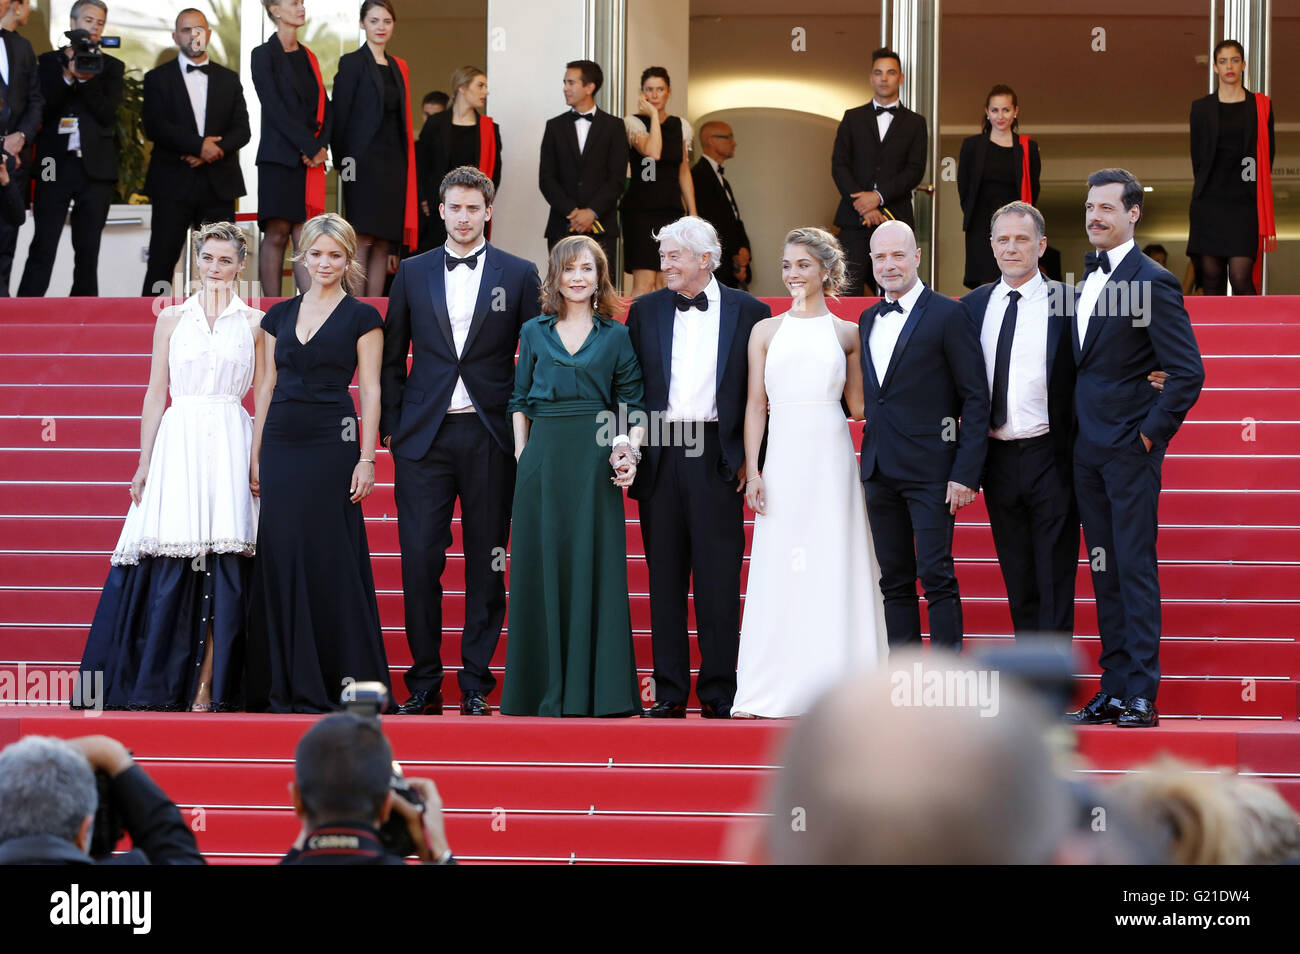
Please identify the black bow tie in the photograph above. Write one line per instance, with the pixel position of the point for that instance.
(190, 68)
(686, 304)
(575, 116)
(886, 109)
(470, 260)
(887, 306)
(1095, 260)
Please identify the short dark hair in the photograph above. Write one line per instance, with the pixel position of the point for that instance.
(176, 22)
(386, 4)
(658, 71)
(1155, 247)
(469, 178)
(885, 53)
(344, 768)
(1132, 194)
(1224, 43)
(591, 72)
(437, 97)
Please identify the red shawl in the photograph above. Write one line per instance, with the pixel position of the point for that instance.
(410, 223)
(1263, 189)
(316, 176)
(487, 147)
(1026, 186)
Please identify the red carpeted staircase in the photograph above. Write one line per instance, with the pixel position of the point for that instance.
(72, 377)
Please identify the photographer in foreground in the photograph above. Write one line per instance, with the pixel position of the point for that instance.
(351, 813)
(50, 805)
(82, 87)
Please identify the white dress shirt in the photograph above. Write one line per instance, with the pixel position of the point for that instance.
(4, 61)
(583, 128)
(1027, 373)
(196, 84)
(886, 329)
(462, 295)
(1092, 286)
(884, 120)
(693, 378)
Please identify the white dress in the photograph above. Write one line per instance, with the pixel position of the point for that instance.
(196, 497)
(813, 611)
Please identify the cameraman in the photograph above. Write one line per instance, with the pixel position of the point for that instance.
(78, 139)
(48, 801)
(343, 794)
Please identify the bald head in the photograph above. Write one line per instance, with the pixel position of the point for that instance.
(875, 774)
(894, 258)
(717, 141)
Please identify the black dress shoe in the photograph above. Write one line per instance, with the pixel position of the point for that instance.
(473, 703)
(715, 710)
(1101, 709)
(424, 702)
(666, 710)
(1138, 713)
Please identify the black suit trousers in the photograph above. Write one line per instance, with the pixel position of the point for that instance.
(464, 461)
(1119, 504)
(90, 199)
(172, 216)
(1036, 532)
(693, 524)
(912, 531)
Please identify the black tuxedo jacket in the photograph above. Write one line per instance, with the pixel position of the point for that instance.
(22, 95)
(359, 103)
(592, 179)
(1060, 366)
(650, 323)
(93, 102)
(169, 122)
(860, 161)
(935, 377)
(713, 205)
(414, 404)
(970, 172)
(1204, 122)
(1139, 323)
(288, 132)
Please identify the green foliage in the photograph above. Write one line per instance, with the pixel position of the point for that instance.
(133, 147)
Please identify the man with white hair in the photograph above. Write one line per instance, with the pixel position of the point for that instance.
(48, 801)
(692, 339)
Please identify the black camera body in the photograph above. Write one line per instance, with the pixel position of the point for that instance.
(108, 828)
(87, 55)
(394, 835)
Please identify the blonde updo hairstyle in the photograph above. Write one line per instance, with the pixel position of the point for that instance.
(268, 4)
(462, 78)
(222, 232)
(332, 225)
(826, 249)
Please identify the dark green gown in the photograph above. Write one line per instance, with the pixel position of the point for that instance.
(569, 644)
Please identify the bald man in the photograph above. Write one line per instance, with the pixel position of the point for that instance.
(716, 203)
(926, 433)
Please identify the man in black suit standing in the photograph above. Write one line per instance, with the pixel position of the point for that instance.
(194, 112)
(1023, 325)
(716, 203)
(461, 306)
(79, 141)
(879, 157)
(692, 340)
(922, 372)
(583, 163)
(1130, 317)
(20, 118)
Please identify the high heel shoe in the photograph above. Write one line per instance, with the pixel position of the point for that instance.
(199, 704)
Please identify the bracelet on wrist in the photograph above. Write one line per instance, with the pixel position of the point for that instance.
(755, 477)
(366, 460)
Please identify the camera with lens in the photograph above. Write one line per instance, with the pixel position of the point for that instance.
(369, 699)
(107, 829)
(87, 55)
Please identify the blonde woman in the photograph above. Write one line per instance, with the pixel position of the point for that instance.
(314, 620)
(461, 135)
(813, 609)
(570, 645)
(169, 630)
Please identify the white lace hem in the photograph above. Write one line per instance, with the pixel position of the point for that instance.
(151, 548)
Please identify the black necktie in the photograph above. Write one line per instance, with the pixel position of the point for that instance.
(1002, 361)
(470, 260)
(887, 306)
(686, 304)
(886, 109)
(731, 197)
(190, 68)
(575, 115)
(1095, 260)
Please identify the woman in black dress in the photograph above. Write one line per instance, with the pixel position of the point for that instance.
(291, 153)
(313, 618)
(460, 135)
(373, 148)
(1232, 199)
(991, 173)
(656, 141)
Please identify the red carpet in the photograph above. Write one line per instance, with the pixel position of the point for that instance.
(72, 377)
